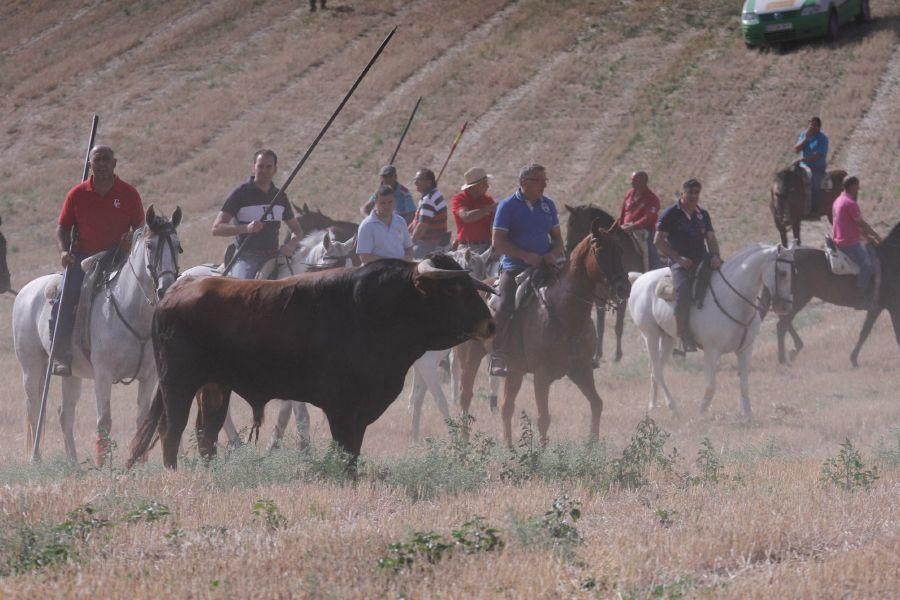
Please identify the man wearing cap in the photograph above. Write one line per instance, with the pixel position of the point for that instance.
(105, 210)
(848, 231)
(473, 211)
(383, 233)
(526, 232)
(685, 236)
(429, 227)
(403, 200)
(640, 209)
(242, 216)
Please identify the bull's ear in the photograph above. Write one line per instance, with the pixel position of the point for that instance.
(151, 215)
(569, 208)
(176, 217)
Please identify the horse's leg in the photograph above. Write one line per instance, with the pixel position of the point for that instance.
(508, 403)
(710, 366)
(795, 227)
(301, 416)
(102, 393)
(600, 314)
(32, 381)
(71, 393)
(231, 432)
(494, 385)
(871, 317)
(542, 399)
(795, 337)
(431, 377)
(468, 371)
(281, 422)
(666, 346)
(744, 374)
(620, 327)
(584, 379)
(781, 328)
(416, 399)
(455, 369)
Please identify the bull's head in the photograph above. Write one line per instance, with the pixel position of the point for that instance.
(456, 311)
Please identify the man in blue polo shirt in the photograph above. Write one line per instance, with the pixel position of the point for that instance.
(383, 234)
(813, 145)
(685, 236)
(526, 232)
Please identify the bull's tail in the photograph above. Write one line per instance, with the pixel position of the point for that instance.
(146, 438)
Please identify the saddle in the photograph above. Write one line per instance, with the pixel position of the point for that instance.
(530, 283)
(841, 264)
(700, 278)
(99, 270)
(639, 237)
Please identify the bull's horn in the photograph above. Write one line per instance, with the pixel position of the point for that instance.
(427, 269)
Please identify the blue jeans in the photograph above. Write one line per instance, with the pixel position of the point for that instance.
(248, 265)
(858, 254)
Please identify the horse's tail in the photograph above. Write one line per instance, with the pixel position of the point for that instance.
(145, 439)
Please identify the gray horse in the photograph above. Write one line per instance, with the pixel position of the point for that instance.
(119, 348)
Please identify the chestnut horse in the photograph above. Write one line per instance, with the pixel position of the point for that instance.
(814, 279)
(552, 336)
(578, 226)
(788, 199)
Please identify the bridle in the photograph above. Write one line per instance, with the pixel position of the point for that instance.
(164, 235)
(610, 284)
(757, 308)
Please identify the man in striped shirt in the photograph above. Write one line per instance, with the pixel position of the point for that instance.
(429, 226)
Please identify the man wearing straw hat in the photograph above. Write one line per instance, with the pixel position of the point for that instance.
(473, 211)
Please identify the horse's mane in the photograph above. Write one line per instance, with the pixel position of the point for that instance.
(311, 240)
(893, 237)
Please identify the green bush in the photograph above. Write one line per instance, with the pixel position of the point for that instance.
(847, 470)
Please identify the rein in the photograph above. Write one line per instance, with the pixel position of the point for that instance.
(165, 237)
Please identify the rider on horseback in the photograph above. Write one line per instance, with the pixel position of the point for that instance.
(104, 210)
(685, 236)
(527, 234)
(848, 230)
(813, 144)
(640, 210)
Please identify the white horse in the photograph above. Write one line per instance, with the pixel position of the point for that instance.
(427, 368)
(119, 332)
(728, 321)
(318, 250)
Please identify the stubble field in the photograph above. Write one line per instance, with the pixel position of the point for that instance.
(593, 90)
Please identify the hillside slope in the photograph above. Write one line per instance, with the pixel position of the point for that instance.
(186, 91)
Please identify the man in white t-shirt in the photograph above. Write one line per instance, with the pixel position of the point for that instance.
(384, 233)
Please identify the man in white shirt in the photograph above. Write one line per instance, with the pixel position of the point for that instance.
(384, 233)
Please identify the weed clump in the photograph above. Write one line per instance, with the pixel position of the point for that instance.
(847, 470)
(430, 547)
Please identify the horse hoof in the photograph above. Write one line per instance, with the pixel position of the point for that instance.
(618, 357)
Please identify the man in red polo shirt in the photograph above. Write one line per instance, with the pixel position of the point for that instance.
(640, 211)
(105, 210)
(473, 210)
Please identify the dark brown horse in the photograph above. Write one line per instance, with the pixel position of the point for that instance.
(813, 279)
(5, 282)
(577, 227)
(552, 337)
(788, 200)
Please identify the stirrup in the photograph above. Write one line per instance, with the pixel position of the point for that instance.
(498, 367)
(61, 369)
(688, 345)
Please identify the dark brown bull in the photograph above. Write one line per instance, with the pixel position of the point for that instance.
(342, 340)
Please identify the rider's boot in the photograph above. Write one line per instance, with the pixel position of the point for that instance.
(683, 330)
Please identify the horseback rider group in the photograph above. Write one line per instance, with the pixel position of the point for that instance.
(524, 227)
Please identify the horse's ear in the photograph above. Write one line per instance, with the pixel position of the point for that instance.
(468, 255)
(151, 215)
(569, 208)
(326, 241)
(305, 208)
(176, 217)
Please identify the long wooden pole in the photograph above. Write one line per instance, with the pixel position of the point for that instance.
(452, 149)
(280, 193)
(36, 448)
(405, 129)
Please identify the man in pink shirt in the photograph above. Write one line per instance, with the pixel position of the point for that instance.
(848, 231)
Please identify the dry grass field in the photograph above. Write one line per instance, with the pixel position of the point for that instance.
(713, 506)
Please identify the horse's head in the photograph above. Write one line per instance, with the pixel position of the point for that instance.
(159, 242)
(787, 184)
(579, 223)
(312, 220)
(335, 250)
(473, 261)
(779, 280)
(606, 270)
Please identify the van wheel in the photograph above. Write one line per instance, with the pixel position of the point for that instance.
(833, 27)
(865, 13)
